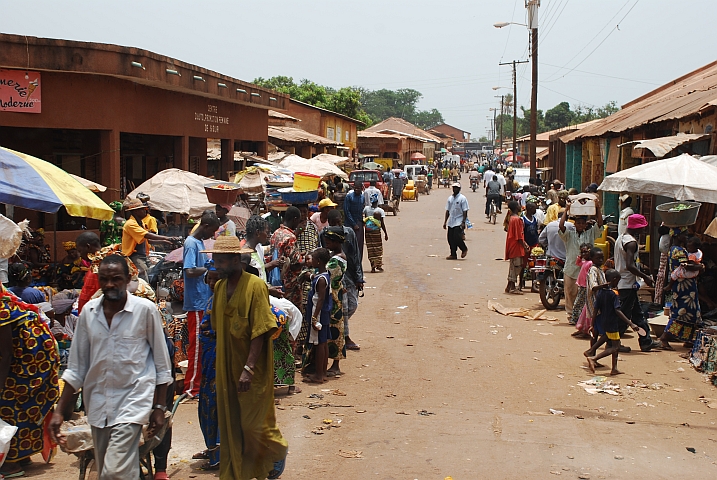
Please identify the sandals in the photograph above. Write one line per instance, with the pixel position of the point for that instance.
(207, 466)
(663, 346)
(352, 346)
(161, 476)
(203, 455)
(277, 470)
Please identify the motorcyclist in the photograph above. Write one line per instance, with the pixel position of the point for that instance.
(474, 176)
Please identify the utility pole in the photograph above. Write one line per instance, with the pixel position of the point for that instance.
(501, 122)
(532, 6)
(515, 107)
(494, 129)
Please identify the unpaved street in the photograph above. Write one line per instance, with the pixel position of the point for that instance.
(444, 387)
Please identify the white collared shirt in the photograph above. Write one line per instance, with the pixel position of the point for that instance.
(455, 206)
(118, 367)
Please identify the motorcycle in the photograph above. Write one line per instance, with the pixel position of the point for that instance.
(474, 183)
(165, 278)
(548, 272)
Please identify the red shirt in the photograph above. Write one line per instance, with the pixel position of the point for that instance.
(90, 287)
(514, 240)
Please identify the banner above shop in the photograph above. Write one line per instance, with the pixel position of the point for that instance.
(20, 91)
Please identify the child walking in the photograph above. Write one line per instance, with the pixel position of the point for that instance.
(585, 263)
(606, 323)
(318, 309)
(515, 248)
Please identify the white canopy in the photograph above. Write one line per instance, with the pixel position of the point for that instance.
(682, 178)
(296, 163)
(177, 191)
(333, 159)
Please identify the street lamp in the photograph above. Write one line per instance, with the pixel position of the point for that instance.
(532, 6)
(505, 24)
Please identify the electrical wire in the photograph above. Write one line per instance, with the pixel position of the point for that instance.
(555, 22)
(512, 17)
(603, 75)
(598, 45)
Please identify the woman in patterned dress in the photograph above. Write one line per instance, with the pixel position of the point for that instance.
(336, 266)
(29, 363)
(208, 386)
(685, 314)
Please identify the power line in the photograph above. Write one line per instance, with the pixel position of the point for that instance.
(602, 75)
(599, 44)
(555, 22)
(512, 17)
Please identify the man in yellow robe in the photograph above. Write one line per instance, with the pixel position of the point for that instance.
(251, 443)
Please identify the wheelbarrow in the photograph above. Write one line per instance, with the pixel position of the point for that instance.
(82, 447)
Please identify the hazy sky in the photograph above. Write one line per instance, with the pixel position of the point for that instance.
(448, 50)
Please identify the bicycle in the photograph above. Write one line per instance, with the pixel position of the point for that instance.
(493, 212)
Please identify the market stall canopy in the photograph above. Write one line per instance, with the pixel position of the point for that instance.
(333, 159)
(418, 156)
(177, 191)
(710, 159)
(92, 186)
(664, 145)
(297, 164)
(35, 184)
(682, 178)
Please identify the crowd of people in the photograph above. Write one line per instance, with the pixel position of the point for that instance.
(255, 311)
(601, 295)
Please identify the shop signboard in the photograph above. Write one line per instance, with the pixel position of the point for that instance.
(20, 91)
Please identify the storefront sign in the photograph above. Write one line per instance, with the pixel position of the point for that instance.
(20, 91)
(211, 119)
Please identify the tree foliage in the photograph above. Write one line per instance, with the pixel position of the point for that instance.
(560, 116)
(368, 106)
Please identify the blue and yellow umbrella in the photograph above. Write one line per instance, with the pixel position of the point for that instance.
(35, 184)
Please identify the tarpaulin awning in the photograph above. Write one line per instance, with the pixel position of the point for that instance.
(177, 191)
(682, 178)
(35, 184)
(296, 163)
(92, 186)
(664, 145)
(333, 159)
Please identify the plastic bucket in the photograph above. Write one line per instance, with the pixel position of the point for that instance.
(306, 182)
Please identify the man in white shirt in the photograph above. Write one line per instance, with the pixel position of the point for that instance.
(487, 177)
(550, 237)
(119, 359)
(455, 222)
(501, 180)
(625, 211)
(370, 191)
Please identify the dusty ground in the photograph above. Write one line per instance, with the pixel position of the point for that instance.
(445, 387)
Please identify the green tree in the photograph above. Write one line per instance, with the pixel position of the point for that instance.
(559, 116)
(483, 139)
(426, 119)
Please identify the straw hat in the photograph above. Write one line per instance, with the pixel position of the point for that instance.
(133, 204)
(228, 244)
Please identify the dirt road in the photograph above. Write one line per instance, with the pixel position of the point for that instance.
(444, 387)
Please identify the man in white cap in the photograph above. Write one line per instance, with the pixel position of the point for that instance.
(625, 211)
(455, 221)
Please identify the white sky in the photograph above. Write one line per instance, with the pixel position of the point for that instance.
(448, 50)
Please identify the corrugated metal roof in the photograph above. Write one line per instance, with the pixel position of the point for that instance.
(578, 128)
(366, 134)
(664, 145)
(403, 127)
(282, 116)
(293, 134)
(685, 96)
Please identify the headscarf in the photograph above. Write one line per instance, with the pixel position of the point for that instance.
(62, 301)
(335, 233)
(69, 246)
(116, 206)
(677, 231)
(373, 197)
